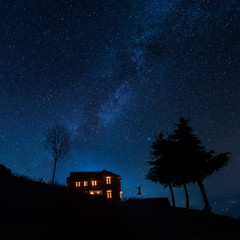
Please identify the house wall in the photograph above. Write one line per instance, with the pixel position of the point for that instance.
(115, 186)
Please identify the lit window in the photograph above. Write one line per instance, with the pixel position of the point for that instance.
(85, 183)
(96, 192)
(108, 180)
(78, 184)
(94, 183)
(120, 194)
(109, 193)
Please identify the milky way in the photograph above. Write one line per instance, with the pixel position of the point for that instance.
(117, 73)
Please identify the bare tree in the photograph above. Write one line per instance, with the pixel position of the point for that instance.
(57, 142)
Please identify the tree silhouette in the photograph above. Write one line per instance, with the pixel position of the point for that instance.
(180, 159)
(57, 142)
(185, 148)
(162, 170)
(196, 162)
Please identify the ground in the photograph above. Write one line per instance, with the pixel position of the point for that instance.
(34, 210)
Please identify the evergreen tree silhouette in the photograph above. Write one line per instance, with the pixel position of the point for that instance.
(196, 163)
(180, 159)
(162, 170)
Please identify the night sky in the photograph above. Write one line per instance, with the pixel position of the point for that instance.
(117, 73)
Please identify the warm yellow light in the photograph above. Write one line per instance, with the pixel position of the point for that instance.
(120, 194)
(108, 180)
(77, 184)
(109, 193)
(85, 183)
(96, 192)
(94, 183)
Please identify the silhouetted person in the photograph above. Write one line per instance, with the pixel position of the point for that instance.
(139, 191)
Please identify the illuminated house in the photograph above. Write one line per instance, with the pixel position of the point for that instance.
(104, 183)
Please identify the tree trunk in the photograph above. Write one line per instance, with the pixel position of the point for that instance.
(173, 199)
(55, 163)
(207, 207)
(186, 194)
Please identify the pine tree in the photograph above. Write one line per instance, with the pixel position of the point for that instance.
(180, 159)
(196, 162)
(161, 170)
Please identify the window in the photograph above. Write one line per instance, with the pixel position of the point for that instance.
(85, 183)
(77, 184)
(94, 183)
(108, 180)
(120, 195)
(96, 192)
(109, 193)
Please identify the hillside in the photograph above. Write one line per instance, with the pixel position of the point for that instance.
(33, 210)
(157, 222)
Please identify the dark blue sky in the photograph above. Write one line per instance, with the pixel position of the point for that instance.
(117, 73)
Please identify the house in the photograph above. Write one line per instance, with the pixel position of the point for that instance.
(104, 183)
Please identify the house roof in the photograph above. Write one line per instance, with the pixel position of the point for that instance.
(90, 175)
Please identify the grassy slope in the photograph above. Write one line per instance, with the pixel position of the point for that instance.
(32, 210)
(179, 223)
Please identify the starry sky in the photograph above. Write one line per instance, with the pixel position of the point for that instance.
(117, 73)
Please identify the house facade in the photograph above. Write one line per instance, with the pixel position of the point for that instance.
(104, 183)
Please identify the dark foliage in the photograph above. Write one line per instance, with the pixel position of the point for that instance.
(196, 163)
(192, 159)
(162, 170)
(180, 159)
